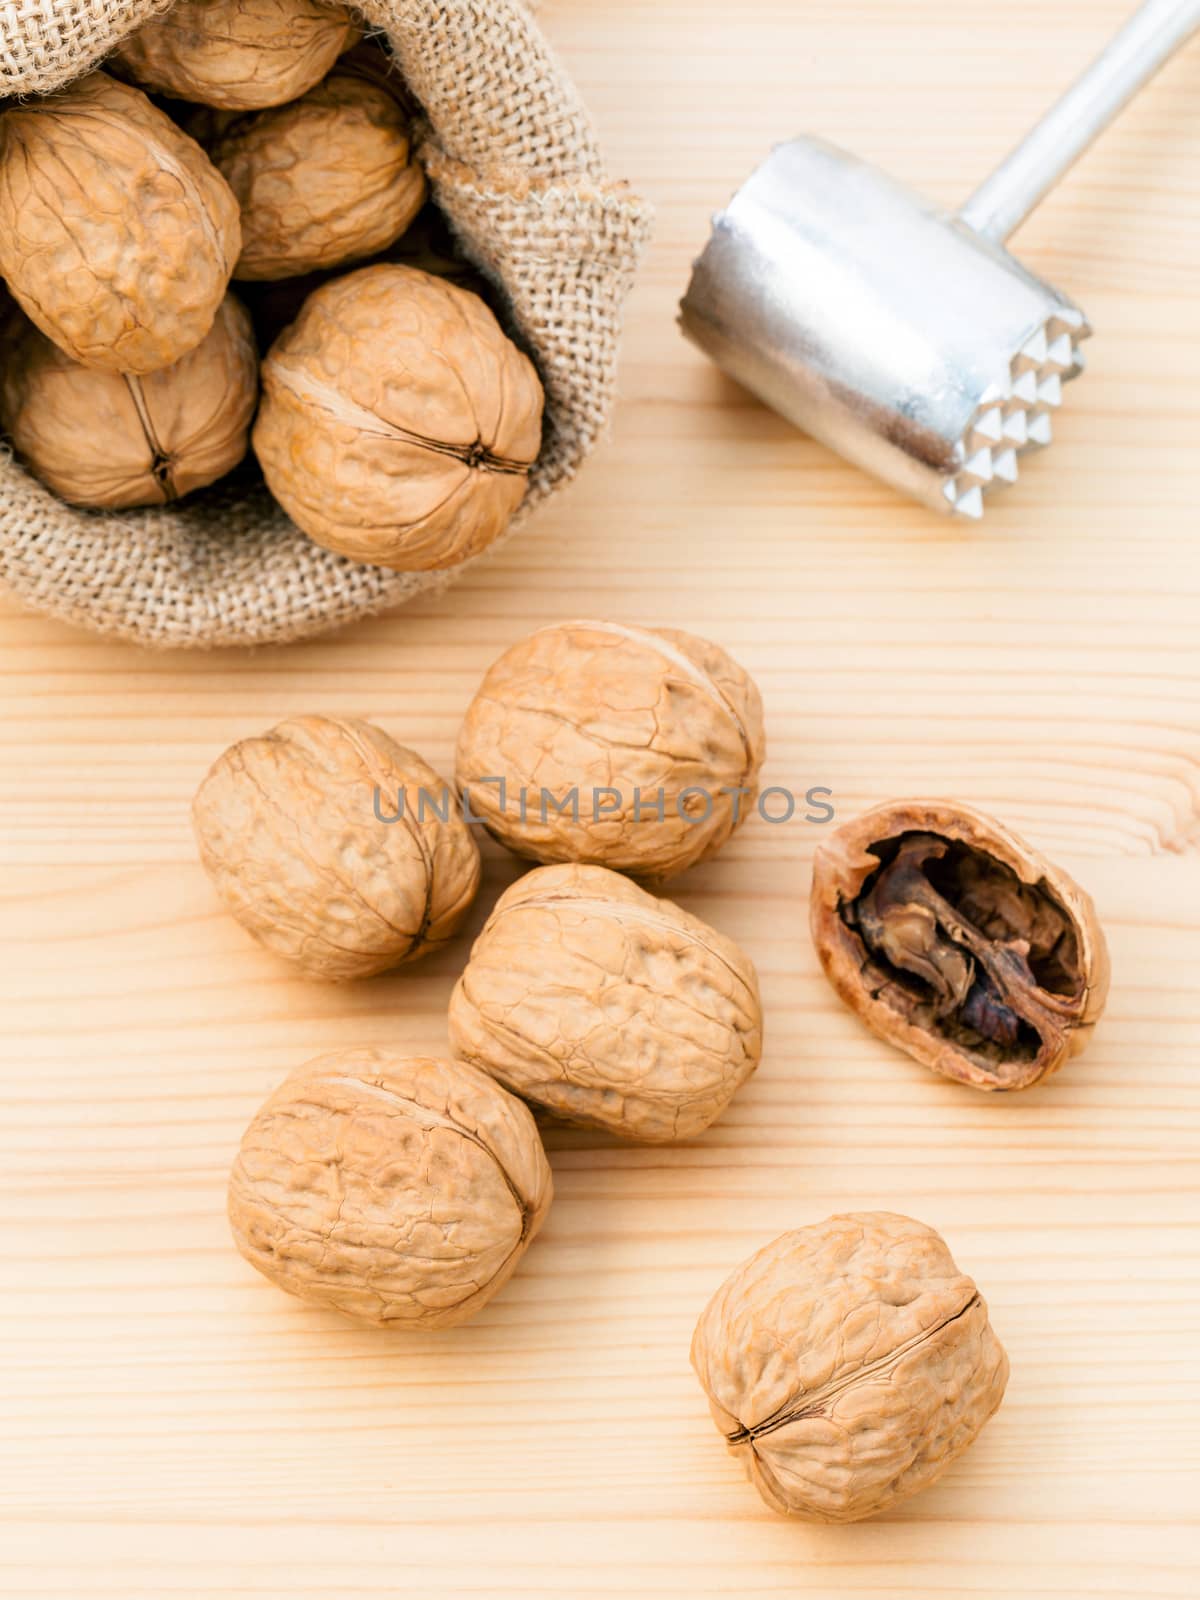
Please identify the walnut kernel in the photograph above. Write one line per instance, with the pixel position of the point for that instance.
(954, 939)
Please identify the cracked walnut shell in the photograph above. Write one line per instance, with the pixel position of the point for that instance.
(117, 234)
(336, 847)
(607, 1006)
(109, 439)
(398, 422)
(237, 55)
(326, 179)
(954, 939)
(582, 733)
(400, 1191)
(848, 1364)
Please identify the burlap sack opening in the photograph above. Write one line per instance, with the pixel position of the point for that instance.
(515, 168)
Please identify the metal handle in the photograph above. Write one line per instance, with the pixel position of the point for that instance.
(1148, 40)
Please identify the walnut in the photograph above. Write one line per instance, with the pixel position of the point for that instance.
(400, 1191)
(335, 846)
(327, 179)
(237, 55)
(954, 939)
(633, 748)
(117, 234)
(607, 1006)
(109, 439)
(848, 1364)
(398, 423)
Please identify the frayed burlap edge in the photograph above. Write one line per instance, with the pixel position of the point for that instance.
(515, 168)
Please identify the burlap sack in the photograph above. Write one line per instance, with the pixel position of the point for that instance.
(515, 167)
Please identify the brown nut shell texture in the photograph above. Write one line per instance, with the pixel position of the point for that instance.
(607, 1006)
(954, 939)
(327, 179)
(848, 1364)
(109, 439)
(237, 55)
(398, 422)
(400, 1191)
(290, 831)
(595, 728)
(117, 234)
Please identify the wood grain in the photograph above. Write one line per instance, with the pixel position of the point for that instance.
(175, 1427)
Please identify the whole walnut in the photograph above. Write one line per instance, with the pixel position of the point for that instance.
(117, 234)
(237, 55)
(848, 1364)
(398, 1190)
(327, 179)
(108, 439)
(607, 1006)
(398, 423)
(632, 748)
(335, 846)
(954, 939)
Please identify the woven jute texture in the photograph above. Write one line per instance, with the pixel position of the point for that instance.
(515, 168)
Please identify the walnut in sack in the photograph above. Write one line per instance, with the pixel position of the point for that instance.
(954, 939)
(237, 55)
(608, 1006)
(117, 234)
(848, 1364)
(398, 422)
(400, 1191)
(329, 178)
(633, 748)
(109, 439)
(335, 846)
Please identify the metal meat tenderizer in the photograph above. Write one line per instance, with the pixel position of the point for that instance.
(906, 338)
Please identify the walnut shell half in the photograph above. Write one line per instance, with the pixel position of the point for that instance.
(117, 234)
(400, 1191)
(108, 439)
(336, 847)
(607, 1006)
(398, 422)
(237, 55)
(326, 179)
(954, 939)
(632, 748)
(848, 1364)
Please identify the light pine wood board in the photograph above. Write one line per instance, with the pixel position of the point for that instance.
(175, 1427)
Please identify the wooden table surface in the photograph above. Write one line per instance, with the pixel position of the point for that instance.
(173, 1426)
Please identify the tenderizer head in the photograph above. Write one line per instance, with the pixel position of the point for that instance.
(884, 327)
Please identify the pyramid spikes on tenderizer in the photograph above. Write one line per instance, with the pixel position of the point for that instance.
(906, 338)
